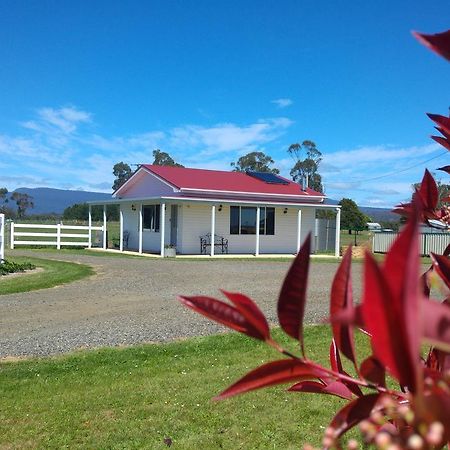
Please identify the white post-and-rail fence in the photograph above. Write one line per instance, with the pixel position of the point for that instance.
(2, 237)
(57, 238)
(428, 242)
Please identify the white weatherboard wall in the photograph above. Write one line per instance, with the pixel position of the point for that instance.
(131, 224)
(285, 238)
(151, 240)
(195, 221)
(145, 184)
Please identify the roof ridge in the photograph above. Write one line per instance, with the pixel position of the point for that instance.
(194, 168)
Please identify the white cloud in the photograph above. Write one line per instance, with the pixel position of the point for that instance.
(342, 186)
(377, 203)
(376, 154)
(228, 137)
(64, 120)
(58, 148)
(379, 175)
(282, 102)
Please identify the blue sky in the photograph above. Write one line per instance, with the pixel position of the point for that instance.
(85, 84)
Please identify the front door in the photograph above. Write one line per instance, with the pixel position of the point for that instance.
(173, 224)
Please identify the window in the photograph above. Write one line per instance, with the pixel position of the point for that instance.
(268, 221)
(248, 220)
(243, 220)
(151, 216)
(234, 220)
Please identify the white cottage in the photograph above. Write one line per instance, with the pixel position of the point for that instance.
(246, 213)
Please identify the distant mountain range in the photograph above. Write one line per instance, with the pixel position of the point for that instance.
(48, 200)
(380, 214)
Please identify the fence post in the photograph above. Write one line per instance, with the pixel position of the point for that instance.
(2, 237)
(90, 227)
(58, 236)
(12, 236)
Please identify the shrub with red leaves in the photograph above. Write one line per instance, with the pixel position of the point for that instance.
(397, 314)
(428, 194)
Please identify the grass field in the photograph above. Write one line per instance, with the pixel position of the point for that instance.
(53, 273)
(362, 238)
(136, 397)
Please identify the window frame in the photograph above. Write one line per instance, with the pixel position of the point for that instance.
(154, 217)
(263, 228)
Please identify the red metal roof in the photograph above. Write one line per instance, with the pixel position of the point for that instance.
(219, 180)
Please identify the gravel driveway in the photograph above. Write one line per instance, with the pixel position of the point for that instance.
(133, 300)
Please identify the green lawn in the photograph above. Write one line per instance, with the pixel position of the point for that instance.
(53, 273)
(136, 397)
(362, 238)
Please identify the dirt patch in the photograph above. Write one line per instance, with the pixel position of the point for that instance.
(21, 274)
(357, 251)
(12, 359)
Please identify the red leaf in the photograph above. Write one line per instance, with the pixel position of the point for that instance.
(438, 43)
(390, 307)
(403, 209)
(222, 313)
(438, 361)
(401, 271)
(445, 168)
(442, 141)
(275, 372)
(292, 299)
(336, 366)
(373, 371)
(424, 280)
(442, 121)
(444, 133)
(441, 265)
(335, 388)
(342, 300)
(435, 407)
(446, 251)
(335, 359)
(248, 308)
(353, 413)
(350, 317)
(436, 323)
(428, 192)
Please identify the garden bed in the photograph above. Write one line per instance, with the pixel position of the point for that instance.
(9, 267)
